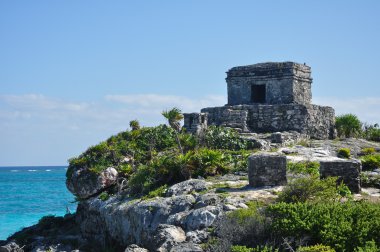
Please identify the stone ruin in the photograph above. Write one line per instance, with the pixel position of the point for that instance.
(268, 97)
(347, 170)
(267, 169)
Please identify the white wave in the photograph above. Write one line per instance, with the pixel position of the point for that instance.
(47, 170)
(14, 170)
(32, 170)
(65, 168)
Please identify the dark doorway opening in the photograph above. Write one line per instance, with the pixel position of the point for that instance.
(258, 93)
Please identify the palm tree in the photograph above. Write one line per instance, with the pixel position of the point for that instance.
(134, 124)
(174, 117)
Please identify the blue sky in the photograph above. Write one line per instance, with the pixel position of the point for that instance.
(72, 73)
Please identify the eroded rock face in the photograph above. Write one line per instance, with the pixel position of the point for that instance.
(185, 187)
(84, 183)
(11, 247)
(168, 236)
(135, 248)
(178, 222)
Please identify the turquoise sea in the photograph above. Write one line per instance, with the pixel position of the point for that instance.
(27, 193)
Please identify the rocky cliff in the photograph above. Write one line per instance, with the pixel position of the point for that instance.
(181, 217)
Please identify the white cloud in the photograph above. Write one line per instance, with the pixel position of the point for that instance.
(160, 102)
(366, 108)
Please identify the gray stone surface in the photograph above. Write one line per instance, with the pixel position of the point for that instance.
(318, 122)
(11, 247)
(185, 187)
(135, 248)
(195, 122)
(84, 183)
(267, 169)
(168, 236)
(348, 171)
(284, 83)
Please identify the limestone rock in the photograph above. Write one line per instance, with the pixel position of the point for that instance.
(186, 247)
(185, 187)
(84, 183)
(167, 236)
(135, 248)
(202, 217)
(197, 236)
(11, 247)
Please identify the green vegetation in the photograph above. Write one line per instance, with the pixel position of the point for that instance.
(134, 124)
(348, 125)
(104, 196)
(311, 188)
(370, 162)
(344, 153)
(306, 167)
(238, 248)
(371, 132)
(225, 138)
(316, 248)
(368, 151)
(152, 157)
(323, 219)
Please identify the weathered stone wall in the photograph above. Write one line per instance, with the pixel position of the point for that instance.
(286, 83)
(316, 121)
(346, 170)
(195, 122)
(267, 169)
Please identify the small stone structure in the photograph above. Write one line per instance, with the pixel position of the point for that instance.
(196, 122)
(267, 169)
(348, 171)
(268, 97)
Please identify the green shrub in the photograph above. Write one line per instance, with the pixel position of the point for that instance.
(344, 153)
(316, 248)
(368, 151)
(265, 248)
(368, 180)
(370, 246)
(225, 138)
(238, 248)
(311, 188)
(371, 132)
(104, 196)
(159, 192)
(307, 167)
(348, 125)
(370, 162)
(342, 226)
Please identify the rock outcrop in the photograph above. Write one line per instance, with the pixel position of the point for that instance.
(84, 183)
(177, 222)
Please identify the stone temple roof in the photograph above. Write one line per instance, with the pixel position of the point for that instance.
(271, 69)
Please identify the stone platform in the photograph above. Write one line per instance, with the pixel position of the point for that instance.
(316, 121)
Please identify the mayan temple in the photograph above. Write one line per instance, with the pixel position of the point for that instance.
(268, 97)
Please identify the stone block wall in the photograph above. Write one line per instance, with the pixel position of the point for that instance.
(285, 83)
(318, 122)
(348, 171)
(267, 169)
(195, 122)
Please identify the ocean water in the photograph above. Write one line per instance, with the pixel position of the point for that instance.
(29, 193)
